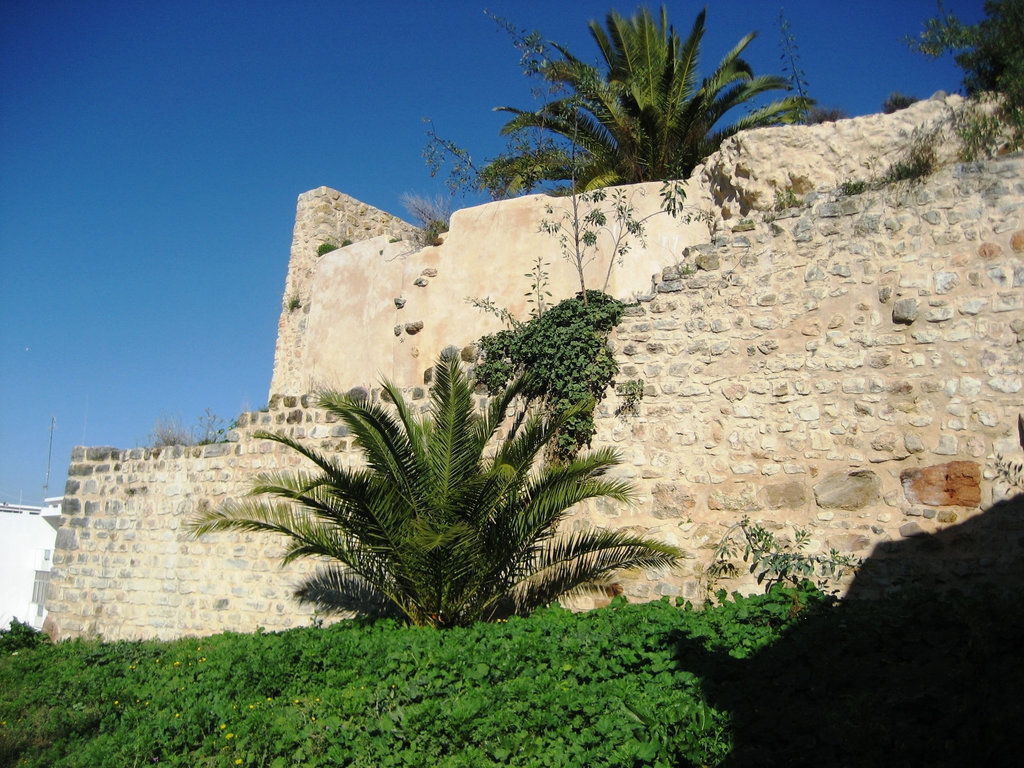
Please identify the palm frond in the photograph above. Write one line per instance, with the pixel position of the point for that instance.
(580, 560)
(335, 590)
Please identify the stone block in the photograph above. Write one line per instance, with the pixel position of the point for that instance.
(734, 498)
(956, 483)
(707, 262)
(788, 495)
(904, 311)
(671, 501)
(848, 490)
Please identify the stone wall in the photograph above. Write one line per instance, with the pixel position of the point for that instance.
(852, 366)
(124, 565)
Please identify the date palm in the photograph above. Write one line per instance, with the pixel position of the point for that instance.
(646, 114)
(441, 526)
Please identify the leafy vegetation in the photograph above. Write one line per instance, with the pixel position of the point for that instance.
(431, 531)
(641, 116)
(774, 560)
(821, 114)
(853, 187)
(744, 683)
(990, 53)
(326, 248)
(787, 198)
(631, 393)
(18, 636)
(565, 351)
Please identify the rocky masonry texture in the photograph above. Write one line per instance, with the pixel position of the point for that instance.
(852, 366)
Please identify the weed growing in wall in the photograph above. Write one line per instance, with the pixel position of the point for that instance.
(774, 561)
(919, 161)
(209, 428)
(431, 214)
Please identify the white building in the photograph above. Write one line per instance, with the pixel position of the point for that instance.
(27, 537)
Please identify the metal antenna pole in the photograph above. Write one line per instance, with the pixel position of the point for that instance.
(49, 455)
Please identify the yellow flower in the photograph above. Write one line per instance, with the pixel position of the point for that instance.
(238, 761)
(229, 736)
(223, 726)
(116, 702)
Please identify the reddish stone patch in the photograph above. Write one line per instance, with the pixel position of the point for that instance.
(957, 483)
(1017, 241)
(989, 250)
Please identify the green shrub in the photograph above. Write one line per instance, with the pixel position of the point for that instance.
(19, 636)
(565, 350)
(817, 115)
(784, 678)
(327, 248)
(897, 101)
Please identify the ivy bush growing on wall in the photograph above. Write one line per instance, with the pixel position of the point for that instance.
(566, 352)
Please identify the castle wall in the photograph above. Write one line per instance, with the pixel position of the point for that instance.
(852, 367)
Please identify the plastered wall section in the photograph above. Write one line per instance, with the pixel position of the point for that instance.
(322, 215)
(382, 306)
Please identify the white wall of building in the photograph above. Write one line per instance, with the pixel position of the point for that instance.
(27, 537)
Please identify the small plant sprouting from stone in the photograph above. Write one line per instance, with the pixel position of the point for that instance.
(598, 212)
(919, 161)
(988, 130)
(294, 302)
(786, 198)
(209, 428)
(852, 187)
(326, 248)
(775, 562)
(631, 392)
(346, 242)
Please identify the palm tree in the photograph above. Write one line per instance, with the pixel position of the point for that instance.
(649, 117)
(430, 529)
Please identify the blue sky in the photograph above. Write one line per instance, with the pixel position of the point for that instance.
(151, 154)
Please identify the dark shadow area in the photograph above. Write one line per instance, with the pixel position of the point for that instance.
(919, 666)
